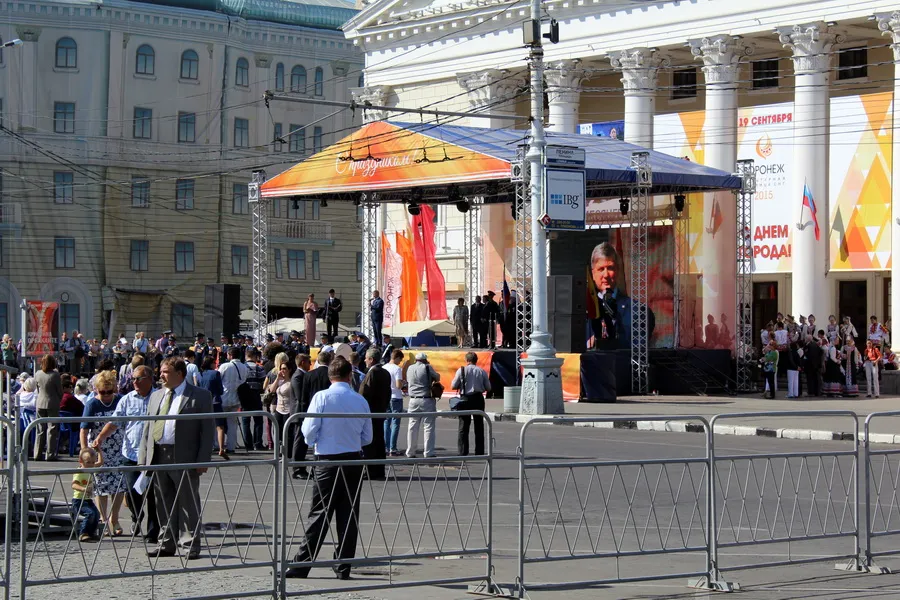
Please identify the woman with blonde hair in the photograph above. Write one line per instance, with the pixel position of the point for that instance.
(109, 487)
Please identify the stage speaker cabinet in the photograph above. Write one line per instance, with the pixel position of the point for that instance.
(569, 332)
(222, 309)
(560, 294)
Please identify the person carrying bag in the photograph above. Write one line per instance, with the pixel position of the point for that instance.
(472, 382)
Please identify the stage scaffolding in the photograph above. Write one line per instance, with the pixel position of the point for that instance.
(370, 234)
(743, 339)
(473, 248)
(259, 208)
(639, 217)
(521, 209)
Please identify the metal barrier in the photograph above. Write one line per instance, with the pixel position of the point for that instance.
(425, 508)
(233, 530)
(882, 486)
(787, 499)
(623, 508)
(7, 479)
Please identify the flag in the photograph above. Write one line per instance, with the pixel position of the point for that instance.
(392, 268)
(434, 278)
(715, 218)
(809, 203)
(506, 296)
(410, 289)
(591, 301)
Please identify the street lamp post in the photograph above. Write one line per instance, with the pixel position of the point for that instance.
(11, 43)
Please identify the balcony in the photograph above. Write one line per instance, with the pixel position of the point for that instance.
(295, 230)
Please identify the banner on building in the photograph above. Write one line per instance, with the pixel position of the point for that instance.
(391, 267)
(40, 319)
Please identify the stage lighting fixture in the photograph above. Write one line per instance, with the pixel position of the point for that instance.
(295, 202)
(623, 205)
(416, 195)
(679, 202)
(323, 203)
(414, 209)
(462, 206)
(453, 194)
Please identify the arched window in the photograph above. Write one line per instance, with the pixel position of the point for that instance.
(362, 80)
(298, 79)
(320, 82)
(146, 61)
(190, 65)
(242, 73)
(279, 77)
(66, 53)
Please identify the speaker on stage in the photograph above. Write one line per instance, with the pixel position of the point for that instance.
(569, 332)
(222, 309)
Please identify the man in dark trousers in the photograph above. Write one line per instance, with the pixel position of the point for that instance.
(314, 381)
(376, 314)
(814, 359)
(298, 444)
(376, 389)
(490, 317)
(333, 308)
(475, 320)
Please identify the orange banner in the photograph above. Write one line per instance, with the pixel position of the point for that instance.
(571, 375)
(410, 286)
(446, 363)
(39, 339)
(381, 156)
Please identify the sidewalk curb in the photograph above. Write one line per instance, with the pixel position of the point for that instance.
(677, 426)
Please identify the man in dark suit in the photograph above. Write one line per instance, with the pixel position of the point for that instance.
(489, 318)
(376, 314)
(333, 306)
(387, 350)
(475, 320)
(313, 381)
(813, 362)
(170, 442)
(361, 348)
(376, 389)
(303, 365)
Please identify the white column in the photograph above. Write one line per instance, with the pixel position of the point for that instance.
(640, 70)
(890, 25)
(376, 95)
(811, 45)
(721, 57)
(564, 79)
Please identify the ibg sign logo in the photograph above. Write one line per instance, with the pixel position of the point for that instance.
(571, 200)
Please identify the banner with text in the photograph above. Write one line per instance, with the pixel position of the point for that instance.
(39, 323)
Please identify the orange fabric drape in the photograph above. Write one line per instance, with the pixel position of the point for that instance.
(410, 287)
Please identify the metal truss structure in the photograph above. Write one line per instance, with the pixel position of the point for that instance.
(523, 268)
(639, 217)
(259, 208)
(743, 339)
(370, 232)
(473, 248)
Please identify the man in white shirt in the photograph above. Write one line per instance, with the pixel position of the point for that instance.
(233, 373)
(337, 488)
(392, 425)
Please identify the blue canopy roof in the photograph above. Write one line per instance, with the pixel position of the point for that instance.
(608, 161)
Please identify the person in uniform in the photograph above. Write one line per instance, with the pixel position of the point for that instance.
(475, 319)
(333, 307)
(490, 318)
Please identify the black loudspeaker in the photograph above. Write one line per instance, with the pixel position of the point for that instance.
(222, 312)
(569, 332)
(568, 317)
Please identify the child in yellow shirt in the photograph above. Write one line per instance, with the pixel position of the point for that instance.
(82, 497)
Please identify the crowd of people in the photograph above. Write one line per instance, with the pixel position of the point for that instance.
(477, 325)
(829, 358)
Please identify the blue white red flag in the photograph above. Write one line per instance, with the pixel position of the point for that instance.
(811, 205)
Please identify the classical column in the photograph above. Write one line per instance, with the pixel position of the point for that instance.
(640, 70)
(890, 25)
(721, 57)
(564, 79)
(811, 44)
(376, 95)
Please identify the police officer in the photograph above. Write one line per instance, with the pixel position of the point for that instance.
(199, 348)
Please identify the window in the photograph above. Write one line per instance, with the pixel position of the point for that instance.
(184, 194)
(765, 74)
(317, 139)
(320, 82)
(242, 73)
(241, 133)
(143, 123)
(240, 261)
(146, 61)
(140, 192)
(184, 257)
(296, 264)
(63, 187)
(183, 320)
(362, 80)
(64, 117)
(315, 264)
(4, 316)
(359, 266)
(239, 204)
(279, 269)
(684, 83)
(297, 210)
(190, 65)
(69, 317)
(298, 79)
(315, 210)
(852, 63)
(297, 138)
(276, 137)
(65, 253)
(187, 125)
(66, 53)
(279, 77)
(140, 255)
(360, 213)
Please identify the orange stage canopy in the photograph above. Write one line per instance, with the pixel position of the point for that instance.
(383, 156)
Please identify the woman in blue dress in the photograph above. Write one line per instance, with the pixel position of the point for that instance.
(211, 381)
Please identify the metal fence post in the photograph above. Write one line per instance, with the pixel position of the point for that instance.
(520, 452)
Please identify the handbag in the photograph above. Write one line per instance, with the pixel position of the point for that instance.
(455, 401)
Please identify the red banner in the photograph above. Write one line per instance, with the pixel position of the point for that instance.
(437, 289)
(39, 338)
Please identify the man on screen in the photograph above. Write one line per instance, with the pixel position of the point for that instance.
(612, 328)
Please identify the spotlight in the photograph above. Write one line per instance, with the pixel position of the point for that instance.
(356, 200)
(295, 203)
(623, 205)
(417, 195)
(462, 206)
(414, 209)
(323, 203)
(453, 194)
(679, 202)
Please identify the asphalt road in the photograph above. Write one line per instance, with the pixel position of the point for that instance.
(655, 502)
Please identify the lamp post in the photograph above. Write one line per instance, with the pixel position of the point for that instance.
(11, 43)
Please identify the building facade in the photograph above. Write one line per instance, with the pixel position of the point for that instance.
(805, 88)
(130, 131)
